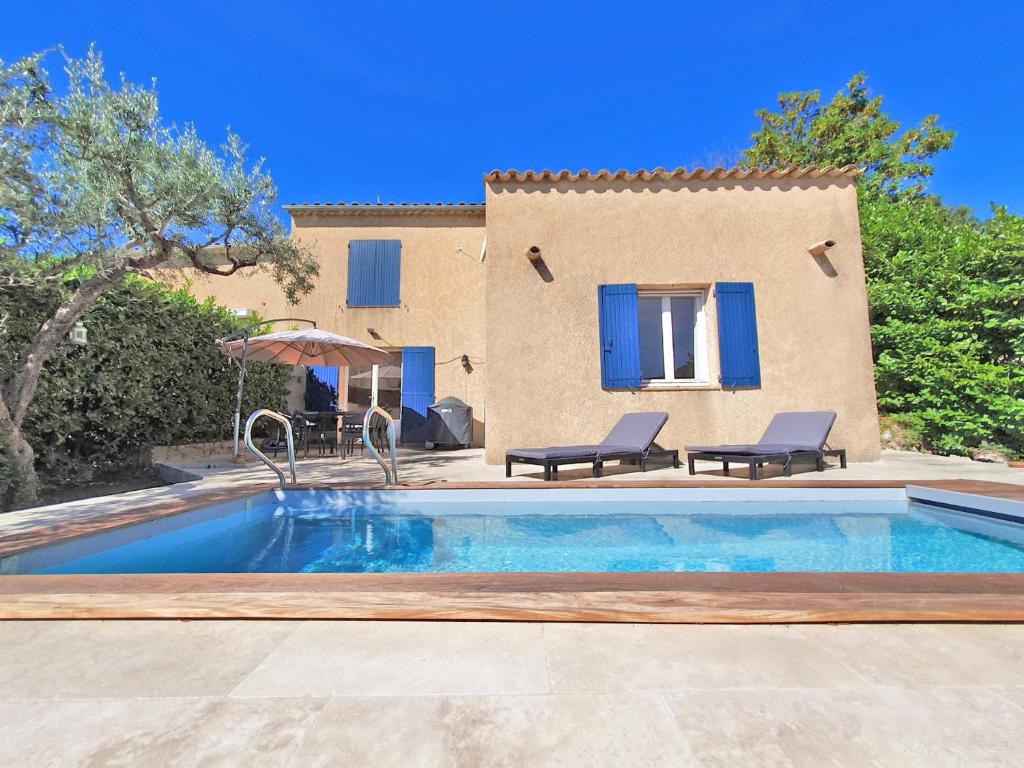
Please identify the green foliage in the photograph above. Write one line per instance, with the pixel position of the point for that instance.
(947, 304)
(946, 291)
(151, 374)
(851, 129)
(92, 175)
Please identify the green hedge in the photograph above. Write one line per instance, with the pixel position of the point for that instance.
(150, 374)
(947, 304)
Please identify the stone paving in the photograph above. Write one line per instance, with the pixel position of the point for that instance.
(168, 693)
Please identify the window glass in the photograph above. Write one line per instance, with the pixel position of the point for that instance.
(321, 388)
(652, 350)
(389, 387)
(684, 319)
(673, 347)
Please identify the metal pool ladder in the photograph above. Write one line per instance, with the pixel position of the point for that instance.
(262, 456)
(390, 472)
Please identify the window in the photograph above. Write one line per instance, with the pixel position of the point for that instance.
(673, 342)
(321, 388)
(383, 386)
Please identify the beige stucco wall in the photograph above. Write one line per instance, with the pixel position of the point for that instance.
(544, 379)
(441, 291)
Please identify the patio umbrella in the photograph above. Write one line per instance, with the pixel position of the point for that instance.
(309, 346)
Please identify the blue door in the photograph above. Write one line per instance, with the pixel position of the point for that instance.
(417, 391)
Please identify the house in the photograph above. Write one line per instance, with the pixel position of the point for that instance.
(567, 299)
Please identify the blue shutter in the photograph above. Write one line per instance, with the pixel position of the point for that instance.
(417, 391)
(737, 335)
(374, 269)
(620, 337)
(321, 388)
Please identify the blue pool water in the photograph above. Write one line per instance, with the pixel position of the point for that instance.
(443, 532)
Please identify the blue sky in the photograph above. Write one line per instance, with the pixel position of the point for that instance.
(416, 100)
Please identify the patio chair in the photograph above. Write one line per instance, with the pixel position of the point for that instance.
(790, 438)
(630, 439)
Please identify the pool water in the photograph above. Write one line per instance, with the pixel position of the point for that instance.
(445, 533)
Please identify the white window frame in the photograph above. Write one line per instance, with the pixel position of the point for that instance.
(700, 341)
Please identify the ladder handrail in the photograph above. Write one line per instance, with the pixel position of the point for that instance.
(390, 473)
(262, 456)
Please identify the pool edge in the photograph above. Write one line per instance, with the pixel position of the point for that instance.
(704, 598)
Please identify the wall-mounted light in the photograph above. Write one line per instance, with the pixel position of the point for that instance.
(373, 333)
(465, 363)
(79, 335)
(533, 252)
(819, 249)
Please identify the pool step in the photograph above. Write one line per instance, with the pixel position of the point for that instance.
(992, 506)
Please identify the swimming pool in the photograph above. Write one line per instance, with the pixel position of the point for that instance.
(586, 530)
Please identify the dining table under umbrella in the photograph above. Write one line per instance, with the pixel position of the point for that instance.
(308, 346)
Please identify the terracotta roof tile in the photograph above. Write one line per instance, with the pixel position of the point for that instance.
(385, 208)
(698, 174)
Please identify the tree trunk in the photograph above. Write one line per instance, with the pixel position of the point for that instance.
(18, 473)
(19, 484)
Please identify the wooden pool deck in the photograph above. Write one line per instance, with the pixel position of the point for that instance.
(578, 597)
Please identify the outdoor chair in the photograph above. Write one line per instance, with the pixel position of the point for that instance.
(630, 439)
(351, 433)
(790, 438)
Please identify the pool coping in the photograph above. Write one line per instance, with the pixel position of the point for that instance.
(587, 597)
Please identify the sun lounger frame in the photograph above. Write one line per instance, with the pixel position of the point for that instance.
(756, 461)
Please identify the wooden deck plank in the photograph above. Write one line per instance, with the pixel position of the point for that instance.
(646, 597)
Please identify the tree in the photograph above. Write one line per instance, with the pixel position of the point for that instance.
(94, 186)
(946, 292)
(851, 129)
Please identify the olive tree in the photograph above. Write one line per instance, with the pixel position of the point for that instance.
(95, 186)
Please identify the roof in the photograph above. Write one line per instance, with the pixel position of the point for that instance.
(400, 209)
(698, 174)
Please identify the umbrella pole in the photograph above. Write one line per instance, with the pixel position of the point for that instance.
(238, 398)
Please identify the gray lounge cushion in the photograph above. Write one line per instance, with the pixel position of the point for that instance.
(636, 430)
(633, 433)
(787, 432)
(808, 428)
(570, 451)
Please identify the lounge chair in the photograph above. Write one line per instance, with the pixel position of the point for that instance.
(790, 438)
(631, 438)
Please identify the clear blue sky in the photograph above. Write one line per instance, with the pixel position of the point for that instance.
(416, 100)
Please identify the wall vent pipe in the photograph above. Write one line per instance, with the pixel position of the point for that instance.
(819, 249)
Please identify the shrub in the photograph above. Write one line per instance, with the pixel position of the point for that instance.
(947, 306)
(150, 374)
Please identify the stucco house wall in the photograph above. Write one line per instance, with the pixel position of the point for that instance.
(544, 379)
(441, 289)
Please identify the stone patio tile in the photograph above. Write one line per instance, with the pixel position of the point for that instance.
(927, 654)
(379, 658)
(110, 659)
(1014, 693)
(898, 727)
(615, 730)
(154, 732)
(638, 657)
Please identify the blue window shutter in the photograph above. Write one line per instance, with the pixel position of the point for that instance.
(374, 271)
(737, 335)
(620, 337)
(417, 391)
